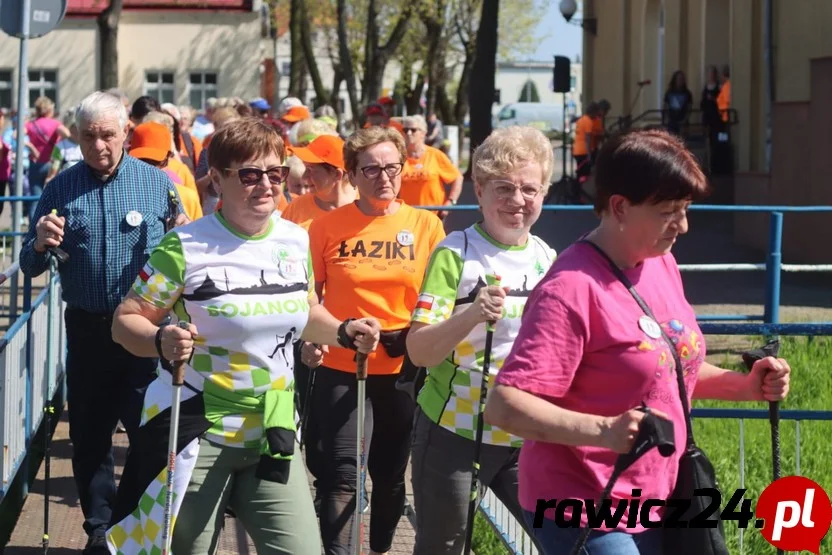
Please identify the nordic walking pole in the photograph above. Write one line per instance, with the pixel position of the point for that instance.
(177, 379)
(56, 255)
(475, 469)
(360, 441)
(771, 349)
(304, 417)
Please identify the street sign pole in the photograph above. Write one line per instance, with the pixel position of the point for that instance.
(22, 110)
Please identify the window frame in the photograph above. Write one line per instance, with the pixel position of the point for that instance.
(202, 87)
(41, 85)
(10, 86)
(156, 88)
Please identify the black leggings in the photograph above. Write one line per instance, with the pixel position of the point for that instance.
(330, 443)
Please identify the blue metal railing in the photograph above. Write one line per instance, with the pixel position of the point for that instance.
(773, 266)
(31, 369)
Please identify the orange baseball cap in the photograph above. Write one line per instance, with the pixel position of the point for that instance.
(296, 113)
(326, 149)
(151, 141)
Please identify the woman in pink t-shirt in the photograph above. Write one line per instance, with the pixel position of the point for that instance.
(44, 133)
(587, 356)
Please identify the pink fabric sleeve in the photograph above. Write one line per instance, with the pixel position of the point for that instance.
(548, 349)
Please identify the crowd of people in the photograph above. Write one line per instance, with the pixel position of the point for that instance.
(286, 249)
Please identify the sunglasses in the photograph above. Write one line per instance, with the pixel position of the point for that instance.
(411, 129)
(253, 176)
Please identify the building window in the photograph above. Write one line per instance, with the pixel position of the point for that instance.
(202, 85)
(159, 85)
(572, 82)
(43, 82)
(286, 68)
(6, 88)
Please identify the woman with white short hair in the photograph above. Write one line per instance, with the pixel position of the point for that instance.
(512, 170)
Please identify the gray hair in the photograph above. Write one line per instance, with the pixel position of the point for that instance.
(99, 105)
(417, 122)
(511, 148)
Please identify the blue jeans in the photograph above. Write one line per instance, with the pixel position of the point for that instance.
(558, 541)
(37, 180)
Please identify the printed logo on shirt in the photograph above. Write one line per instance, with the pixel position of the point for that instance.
(688, 344)
(425, 302)
(384, 250)
(289, 267)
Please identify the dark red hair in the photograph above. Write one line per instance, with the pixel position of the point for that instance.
(647, 166)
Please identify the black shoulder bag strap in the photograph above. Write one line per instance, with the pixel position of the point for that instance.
(679, 370)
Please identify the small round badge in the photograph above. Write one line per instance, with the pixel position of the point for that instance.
(650, 327)
(133, 218)
(405, 238)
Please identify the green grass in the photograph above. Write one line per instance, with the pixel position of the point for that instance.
(811, 389)
(485, 540)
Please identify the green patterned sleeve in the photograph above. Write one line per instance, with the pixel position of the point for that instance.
(162, 279)
(438, 294)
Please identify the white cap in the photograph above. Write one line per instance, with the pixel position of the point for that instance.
(286, 103)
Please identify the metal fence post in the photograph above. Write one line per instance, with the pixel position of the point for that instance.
(29, 387)
(773, 264)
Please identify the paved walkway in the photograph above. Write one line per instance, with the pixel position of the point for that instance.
(65, 518)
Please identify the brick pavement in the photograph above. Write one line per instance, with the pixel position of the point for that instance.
(65, 518)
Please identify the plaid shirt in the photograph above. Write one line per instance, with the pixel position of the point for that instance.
(106, 252)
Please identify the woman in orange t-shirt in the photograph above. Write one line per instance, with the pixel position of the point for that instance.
(428, 172)
(326, 173)
(371, 256)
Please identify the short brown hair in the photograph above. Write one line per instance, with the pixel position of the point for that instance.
(647, 166)
(363, 139)
(242, 140)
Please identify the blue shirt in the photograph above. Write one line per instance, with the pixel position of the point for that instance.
(106, 252)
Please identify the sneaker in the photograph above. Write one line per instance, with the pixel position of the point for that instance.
(96, 545)
(120, 428)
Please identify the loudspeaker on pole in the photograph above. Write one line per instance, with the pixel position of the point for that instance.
(562, 77)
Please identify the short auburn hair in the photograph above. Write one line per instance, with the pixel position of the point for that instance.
(363, 139)
(244, 139)
(647, 166)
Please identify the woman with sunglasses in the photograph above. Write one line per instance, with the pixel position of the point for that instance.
(512, 170)
(429, 177)
(241, 279)
(370, 256)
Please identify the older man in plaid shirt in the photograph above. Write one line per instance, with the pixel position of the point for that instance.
(112, 210)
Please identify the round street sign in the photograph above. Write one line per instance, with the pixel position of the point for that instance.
(45, 15)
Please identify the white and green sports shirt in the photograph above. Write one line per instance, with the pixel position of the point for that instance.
(249, 300)
(456, 272)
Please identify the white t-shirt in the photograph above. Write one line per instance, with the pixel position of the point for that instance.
(249, 300)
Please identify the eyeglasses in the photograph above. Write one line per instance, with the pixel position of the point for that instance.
(253, 176)
(506, 189)
(411, 129)
(374, 172)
